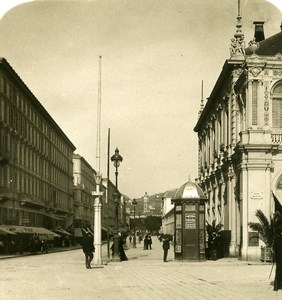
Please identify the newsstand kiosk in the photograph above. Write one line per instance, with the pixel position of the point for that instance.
(189, 217)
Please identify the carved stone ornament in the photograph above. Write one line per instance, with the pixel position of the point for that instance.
(255, 71)
(266, 118)
(277, 72)
(241, 100)
(254, 46)
(237, 46)
(237, 72)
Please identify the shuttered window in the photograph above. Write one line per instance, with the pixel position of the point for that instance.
(277, 106)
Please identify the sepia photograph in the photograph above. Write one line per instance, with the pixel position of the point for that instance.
(140, 149)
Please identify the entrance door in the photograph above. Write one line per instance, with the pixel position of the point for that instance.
(190, 244)
(190, 233)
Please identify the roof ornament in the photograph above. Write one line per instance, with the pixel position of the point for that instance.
(202, 99)
(237, 47)
(254, 46)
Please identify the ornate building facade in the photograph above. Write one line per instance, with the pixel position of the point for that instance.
(240, 139)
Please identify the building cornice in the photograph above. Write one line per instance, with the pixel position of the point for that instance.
(228, 67)
(7, 68)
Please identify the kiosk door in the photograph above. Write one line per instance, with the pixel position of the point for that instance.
(190, 233)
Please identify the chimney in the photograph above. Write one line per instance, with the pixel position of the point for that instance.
(259, 32)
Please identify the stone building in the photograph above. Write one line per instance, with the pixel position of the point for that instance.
(36, 167)
(240, 138)
(84, 185)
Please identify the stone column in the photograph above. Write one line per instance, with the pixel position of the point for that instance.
(97, 223)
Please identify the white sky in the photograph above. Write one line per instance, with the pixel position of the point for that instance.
(155, 55)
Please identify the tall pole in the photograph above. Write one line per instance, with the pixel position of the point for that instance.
(134, 232)
(108, 178)
(98, 180)
(116, 178)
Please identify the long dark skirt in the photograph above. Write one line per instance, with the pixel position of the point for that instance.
(278, 278)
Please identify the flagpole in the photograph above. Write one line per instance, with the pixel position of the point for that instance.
(108, 179)
(98, 179)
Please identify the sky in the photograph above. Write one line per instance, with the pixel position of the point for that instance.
(155, 54)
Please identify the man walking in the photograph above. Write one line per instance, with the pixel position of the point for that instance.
(88, 248)
(165, 248)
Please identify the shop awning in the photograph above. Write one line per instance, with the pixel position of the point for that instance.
(4, 231)
(277, 195)
(42, 232)
(62, 231)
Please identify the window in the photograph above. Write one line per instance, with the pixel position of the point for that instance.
(277, 106)
(255, 103)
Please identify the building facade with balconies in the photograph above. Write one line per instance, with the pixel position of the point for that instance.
(83, 200)
(240, 139)
(36, 168)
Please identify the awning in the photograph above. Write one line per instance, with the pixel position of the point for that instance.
(277, 195)
(42, 232)
(63, 231)
(4, 231)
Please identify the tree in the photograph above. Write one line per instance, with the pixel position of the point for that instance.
(153, 223)
(264, 227)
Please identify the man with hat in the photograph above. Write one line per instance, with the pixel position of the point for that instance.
(88, 248)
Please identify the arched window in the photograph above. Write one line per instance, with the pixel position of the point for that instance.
(277, 106)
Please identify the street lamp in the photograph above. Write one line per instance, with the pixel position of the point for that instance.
(12, 186)
(116, 237)
(117, 159)
(134, 202)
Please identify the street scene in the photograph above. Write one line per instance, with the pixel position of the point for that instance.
(140, 149)
(63, 275)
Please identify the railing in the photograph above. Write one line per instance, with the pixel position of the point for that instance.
(276, 138)
(4, 157)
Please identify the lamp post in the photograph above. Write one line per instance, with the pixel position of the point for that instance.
(134, 202)
(11, 186)
(116, 237)
(117, 159)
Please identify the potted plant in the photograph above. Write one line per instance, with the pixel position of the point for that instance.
(213, 231)
(265, 228)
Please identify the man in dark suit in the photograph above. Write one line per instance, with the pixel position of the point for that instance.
(165, 248)
(88, 248)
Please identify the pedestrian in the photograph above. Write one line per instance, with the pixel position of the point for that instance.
(43, 247)
(122, 254)
(130, 239)
(149, 242)
(145, 242)
(88, 248)
(1, 247)
(277, 249)
(165, 248)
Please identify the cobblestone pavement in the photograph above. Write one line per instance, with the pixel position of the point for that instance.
(144, 276)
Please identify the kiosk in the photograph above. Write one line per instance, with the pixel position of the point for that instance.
(189, 217)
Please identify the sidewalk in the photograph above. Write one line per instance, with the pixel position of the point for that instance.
(50, 250)
(63, 276)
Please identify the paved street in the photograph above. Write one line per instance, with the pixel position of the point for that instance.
(63, 275)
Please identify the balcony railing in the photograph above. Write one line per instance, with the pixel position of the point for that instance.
(4, 158)
(276, 138)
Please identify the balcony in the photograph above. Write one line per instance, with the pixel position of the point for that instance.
(276, 138)
(60, 210)
(4, 194)
(4, 158)
(29, 201)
